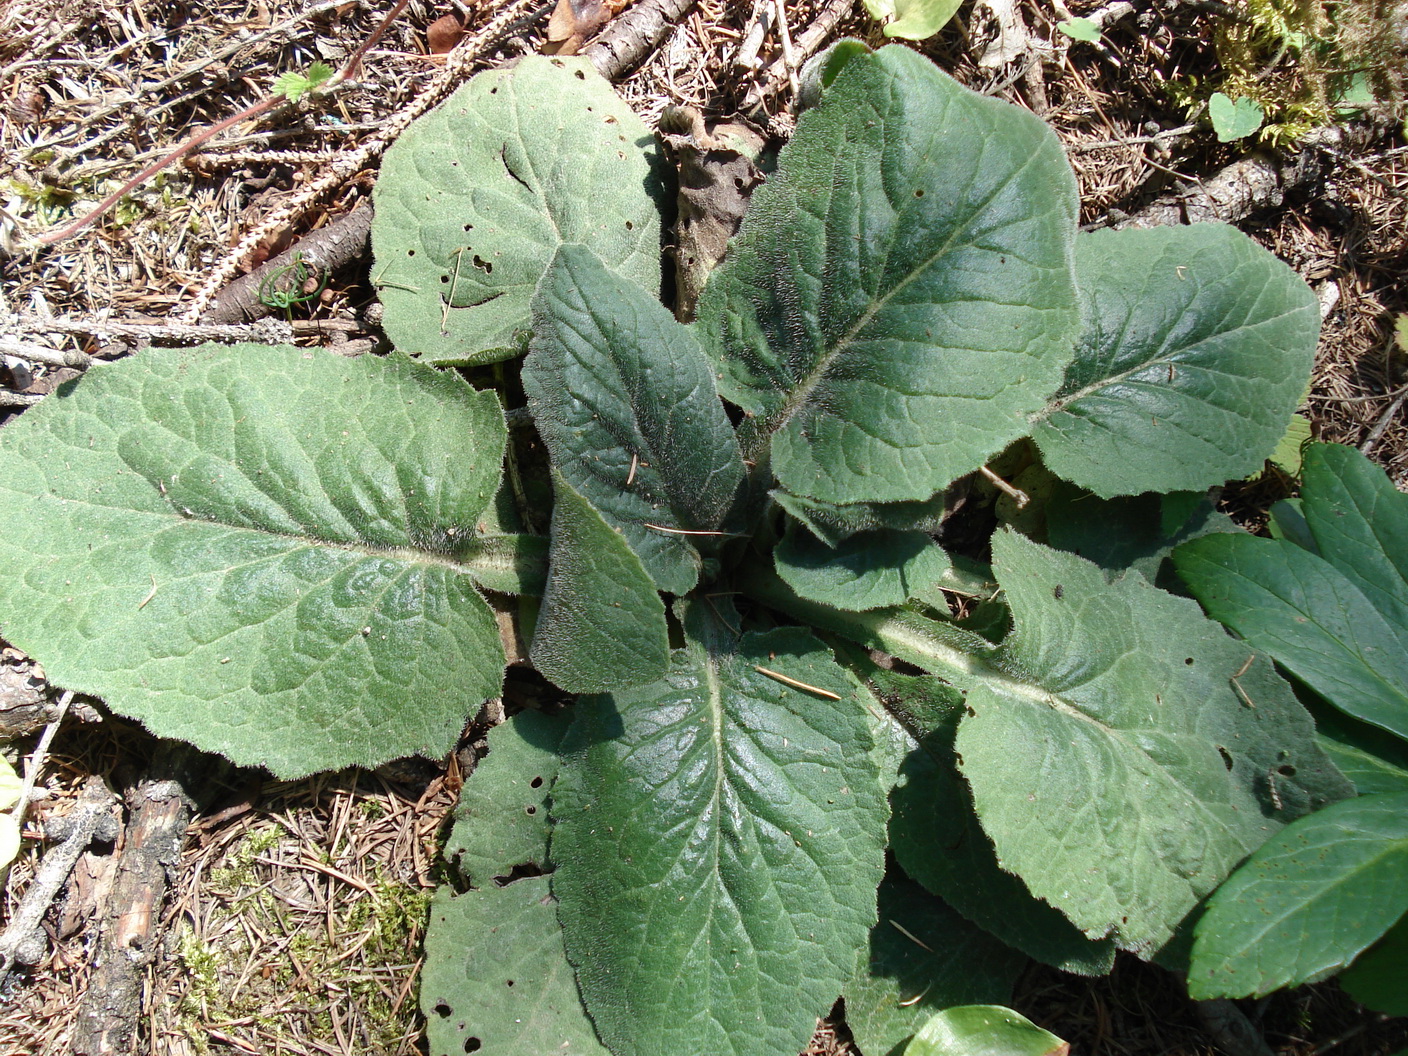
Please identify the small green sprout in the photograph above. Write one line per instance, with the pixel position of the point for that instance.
(294, 85)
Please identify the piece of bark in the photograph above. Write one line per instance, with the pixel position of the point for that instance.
(717, 172)
(24, 941)
(159, 813)
(26, 706)
(342, 242)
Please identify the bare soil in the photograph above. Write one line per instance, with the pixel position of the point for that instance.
(295, 910)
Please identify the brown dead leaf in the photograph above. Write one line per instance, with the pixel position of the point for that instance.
(444, 33)
(573, 22)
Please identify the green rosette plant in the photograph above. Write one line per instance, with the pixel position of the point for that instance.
(306, 562)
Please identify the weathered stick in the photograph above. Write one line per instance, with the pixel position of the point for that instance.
(23, 941)
(634, 34)
(327, 249)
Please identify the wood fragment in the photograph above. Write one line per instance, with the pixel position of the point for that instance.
(159, 813)
(342, 242)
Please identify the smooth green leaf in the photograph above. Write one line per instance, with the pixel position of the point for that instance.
(866, 571)
(1360, 524)
(912, 19)
(624, 398)
(602, 625)
(496, 979)
(1082, 29)
(1287, 521)
(1379, 978)
(1375, 760)
(475, 197)
(1309, 616)
(266, 551)
(937, 839)
(900, 298)
(1310, 900)
(1195, 349)
(984, 1030)
(922, 957)
(501, 819)
(1112, 763)
(719, 840)
(1234, 119)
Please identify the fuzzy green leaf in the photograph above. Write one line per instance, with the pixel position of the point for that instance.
(1234, 119)
(937, 839)
(475, 198)
(1310, 900)
(496, 974)
(1195, 350)
(496, 977)
(833, 524)
(501, 819)
(602, 625)
(913, 19)
(624, 398)
(922, 957)
(266, 551)
(1112, 762)
(900, 299)
(719, 840)
(1360, 524)
(866, 571)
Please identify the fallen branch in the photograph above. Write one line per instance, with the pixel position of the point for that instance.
(23, 941)
(634, 35)
(1258, 181)
(337, 245)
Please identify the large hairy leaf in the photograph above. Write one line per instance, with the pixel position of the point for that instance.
(496, 978)
(1310, 900)
(269, 552)
(1359, 522)
(624, 398)
(1113, 762)
(922, 958)
(984, 1030)
(602, 624)
(1309, 616)
(900, 299)
(719, 839)
(474, 199)
(1195, 349)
